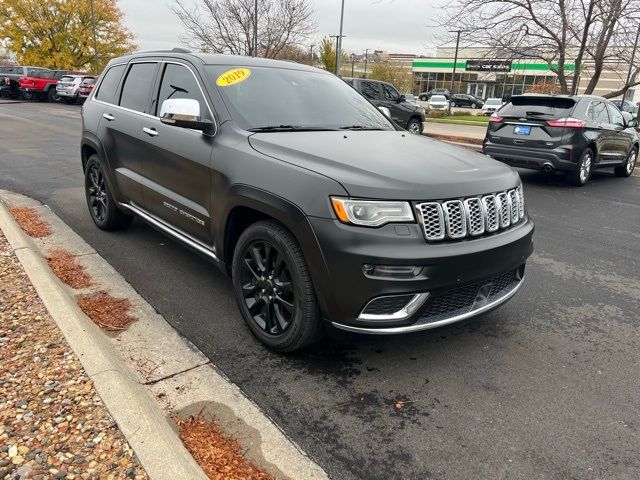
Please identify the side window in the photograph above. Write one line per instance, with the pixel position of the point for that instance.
(179, 82)
(616, 116)
(136, 86)
(370, 90)
(389, 93)
(598, 112)
(109, 84)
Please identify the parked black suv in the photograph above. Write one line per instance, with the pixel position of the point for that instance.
(464, 100)
(424, 96)
(572, 134)
(314, 203)
(406, 114)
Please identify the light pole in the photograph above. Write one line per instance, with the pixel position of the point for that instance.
(311, 54)
(366, 59)
(255, 29)
(353, 63)
(95, 39)
(339, 42)
(455, 61)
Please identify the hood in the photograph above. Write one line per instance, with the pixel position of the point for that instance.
(389, 165)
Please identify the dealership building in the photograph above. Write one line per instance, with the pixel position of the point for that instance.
(478, 73)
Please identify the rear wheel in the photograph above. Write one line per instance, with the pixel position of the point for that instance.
(103, 209)
(581, 175)
(627, 169)
(273, 288)
(53, 96)
(453, 104)
(474, 106)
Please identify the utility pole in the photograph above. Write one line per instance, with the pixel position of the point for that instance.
(353, 63)
(95, 40)
(455, 61)
(311, 54)
(366, 59)
(255, 29)
(339, 42)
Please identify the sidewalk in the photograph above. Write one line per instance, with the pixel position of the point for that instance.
(453, 130)
(53, 423)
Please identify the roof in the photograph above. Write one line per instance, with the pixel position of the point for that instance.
(224, 59)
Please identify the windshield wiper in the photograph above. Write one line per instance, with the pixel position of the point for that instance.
(290, 128)
(360, 127)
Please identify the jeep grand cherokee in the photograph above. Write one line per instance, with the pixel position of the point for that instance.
(315, 203)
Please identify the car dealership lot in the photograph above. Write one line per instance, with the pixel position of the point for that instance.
(548, 386)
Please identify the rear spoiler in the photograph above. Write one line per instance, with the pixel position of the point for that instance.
(544, 100)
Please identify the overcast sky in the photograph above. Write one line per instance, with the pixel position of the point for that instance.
(398, 26)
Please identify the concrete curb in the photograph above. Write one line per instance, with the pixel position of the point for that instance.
(145, 426)
(148, 367)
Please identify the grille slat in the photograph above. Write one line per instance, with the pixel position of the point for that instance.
(474, 216)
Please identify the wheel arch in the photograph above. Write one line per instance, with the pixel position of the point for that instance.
(91, 145)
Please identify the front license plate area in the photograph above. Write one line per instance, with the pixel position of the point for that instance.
(522, 130)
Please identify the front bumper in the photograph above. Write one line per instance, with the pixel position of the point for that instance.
(444, 267)
(533, 158)
(67, 93)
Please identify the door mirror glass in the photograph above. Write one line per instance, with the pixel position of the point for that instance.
(402, 98)
(632, 123)
(386, 111)
(184, 113)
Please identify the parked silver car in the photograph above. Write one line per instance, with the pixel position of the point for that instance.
(68, 87)
(438, 102)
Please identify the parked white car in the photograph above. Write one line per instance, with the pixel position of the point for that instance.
(438, 102)
(491, 105)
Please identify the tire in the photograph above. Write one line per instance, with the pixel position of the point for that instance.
(52, 96)
(102, 208)
(414, 126)
(627, 169)
(28, 95)
(453, 104)
(266, 258)
(580, 176)
(474, 106)
(424, 98)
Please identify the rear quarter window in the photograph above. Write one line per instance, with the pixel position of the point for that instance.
(109, 85)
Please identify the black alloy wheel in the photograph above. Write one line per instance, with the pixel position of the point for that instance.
(103, 209)
(96, 193)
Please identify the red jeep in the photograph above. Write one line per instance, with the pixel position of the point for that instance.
(41, 84)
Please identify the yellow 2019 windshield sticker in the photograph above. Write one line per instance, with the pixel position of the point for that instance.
(231, 77)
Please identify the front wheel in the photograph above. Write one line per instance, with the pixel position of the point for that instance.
(474, 106)
(453, 104)
(414, 126)
(581, 175)
(273, 288)
(103, 209)
(627, 169)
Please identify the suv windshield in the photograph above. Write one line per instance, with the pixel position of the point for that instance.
(277, 99)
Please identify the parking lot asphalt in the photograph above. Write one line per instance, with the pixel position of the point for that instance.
(548, 386)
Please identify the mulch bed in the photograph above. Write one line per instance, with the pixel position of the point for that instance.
(30, 222)
(454, 138)
(109, 313)
(66, 267)
(219, 456)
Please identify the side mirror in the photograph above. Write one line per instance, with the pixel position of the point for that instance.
(184, 113)
(401, 99)
(385, 111)
(632, 123)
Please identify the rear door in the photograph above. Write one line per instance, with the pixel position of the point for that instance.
(531, 122)
(601, 131)
(371, 91)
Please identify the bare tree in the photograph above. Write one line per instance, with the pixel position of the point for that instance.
(227, 26)
(568, 35)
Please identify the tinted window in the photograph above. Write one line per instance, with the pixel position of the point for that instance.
(389, 93)
(109, 84)
(179, 82)
(11, 70)
(286, 96)
(598, 112)
(39, 72)
(616, 116)
(539, 107)
(370, 90)
(137, 84)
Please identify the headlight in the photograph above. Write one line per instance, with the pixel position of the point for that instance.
(371, 213)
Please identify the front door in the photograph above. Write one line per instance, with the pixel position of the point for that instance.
(400, 111)
(621, 137)
(177, 161)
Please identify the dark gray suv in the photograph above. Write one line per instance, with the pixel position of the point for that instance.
(316, 204)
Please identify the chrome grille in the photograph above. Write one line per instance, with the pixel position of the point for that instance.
(455, 219)
(474, 216)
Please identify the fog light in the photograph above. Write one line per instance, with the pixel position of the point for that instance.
(391, 271)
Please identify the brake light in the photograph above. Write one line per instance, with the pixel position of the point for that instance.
(494, 118)
(566, 122)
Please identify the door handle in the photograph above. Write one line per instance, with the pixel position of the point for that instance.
(108, 116)
(150, 131)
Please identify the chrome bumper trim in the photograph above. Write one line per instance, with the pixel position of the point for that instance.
(405, 312)
(427, 326)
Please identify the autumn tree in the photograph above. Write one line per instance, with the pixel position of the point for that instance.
(227, 26)
(395, 73)
(59, 33)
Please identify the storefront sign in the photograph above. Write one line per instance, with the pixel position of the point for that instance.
(488, 66)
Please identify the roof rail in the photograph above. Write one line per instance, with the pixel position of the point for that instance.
(173, 50)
